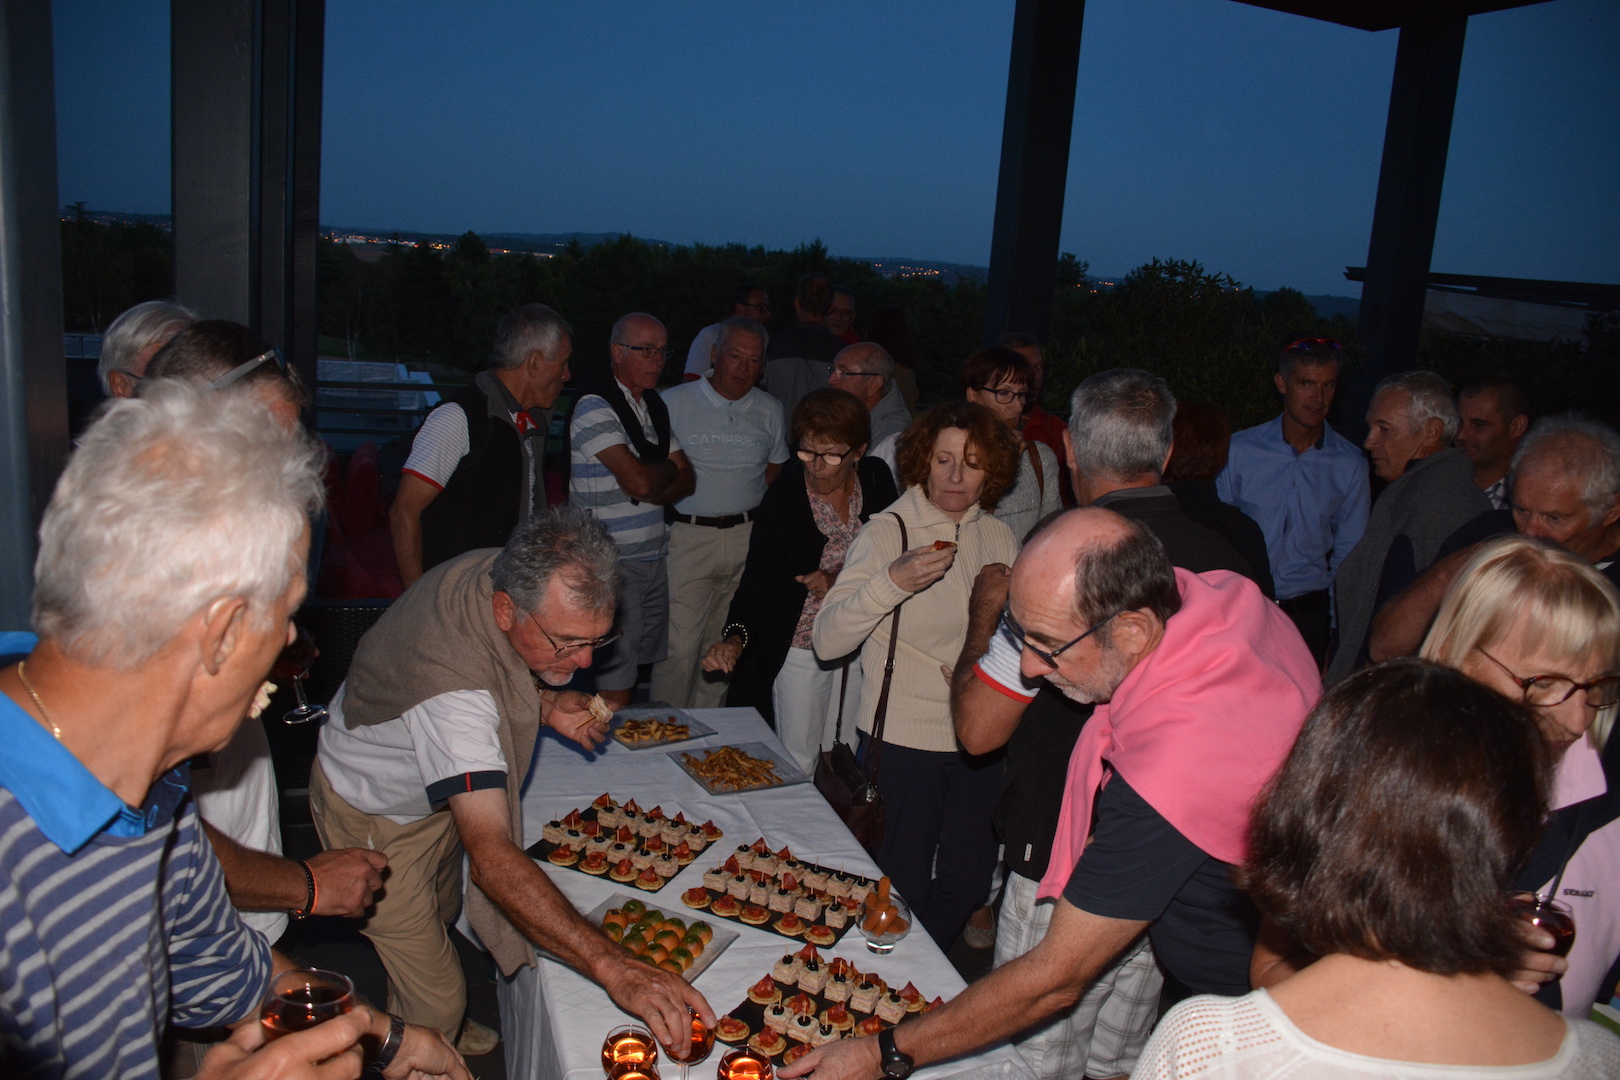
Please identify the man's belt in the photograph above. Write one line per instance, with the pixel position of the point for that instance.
(724, 521)
(1317, 600)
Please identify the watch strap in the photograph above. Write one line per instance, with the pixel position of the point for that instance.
(896, 1065)
(390, 1046)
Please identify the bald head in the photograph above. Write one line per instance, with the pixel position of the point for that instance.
(865, 370)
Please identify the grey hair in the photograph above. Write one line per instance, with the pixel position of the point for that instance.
(1121, 423)
(1585, 449)
(171, 501)
(1429, 399)
(146, 324)
(566, 540)
(525, 329)
(626, 320)
(742, 324)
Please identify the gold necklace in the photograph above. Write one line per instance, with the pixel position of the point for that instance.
(38, 704)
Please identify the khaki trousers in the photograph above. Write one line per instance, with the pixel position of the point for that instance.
(421, 894)
(705, 565)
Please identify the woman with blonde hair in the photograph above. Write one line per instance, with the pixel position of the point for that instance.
(1540, 626)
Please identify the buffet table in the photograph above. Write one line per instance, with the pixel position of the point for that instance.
(554, 1019)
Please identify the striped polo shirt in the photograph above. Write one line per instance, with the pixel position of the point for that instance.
(116, 920)
(638, 528)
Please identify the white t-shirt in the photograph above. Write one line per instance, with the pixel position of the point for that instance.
(698, 358)
(1209, 1036)
(442, 441)
(388, 769)
(728, 443)
(236, 794)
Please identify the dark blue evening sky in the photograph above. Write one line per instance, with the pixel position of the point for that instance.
(1205, 129)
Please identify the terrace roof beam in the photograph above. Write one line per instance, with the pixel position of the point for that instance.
(33, 373)
(1034, 166)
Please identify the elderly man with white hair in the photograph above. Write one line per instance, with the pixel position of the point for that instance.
(132, 339)
(1412, 421)
(171, 558)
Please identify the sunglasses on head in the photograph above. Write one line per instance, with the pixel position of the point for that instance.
(1313, 344)
(243, 370)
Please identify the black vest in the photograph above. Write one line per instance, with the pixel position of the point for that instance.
(483, 501)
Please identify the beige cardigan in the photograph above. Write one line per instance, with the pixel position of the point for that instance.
(933, 622)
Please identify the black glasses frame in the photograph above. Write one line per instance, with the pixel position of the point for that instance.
(1050, 659)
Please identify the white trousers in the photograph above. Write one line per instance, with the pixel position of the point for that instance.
(805, 696)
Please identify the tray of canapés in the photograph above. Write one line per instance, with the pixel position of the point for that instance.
(809, 1001)
(664, 941)
(623, 843)
(774, 891)
(656, 724)
(727, 770)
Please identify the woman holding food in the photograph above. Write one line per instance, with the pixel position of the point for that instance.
(1386, 844)
(1004, 382)
(805, 525)
(915, 565)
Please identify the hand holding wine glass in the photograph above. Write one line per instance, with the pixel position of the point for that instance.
(294, 664)
(696, 1049)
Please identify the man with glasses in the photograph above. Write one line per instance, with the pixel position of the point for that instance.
(800, 358)
(867, 371)
(747, 302)
(426, 751)
(1305, 484)
(625, 465)
(1119, 437)
(736, 439)
(1201, 686)
(132, 339)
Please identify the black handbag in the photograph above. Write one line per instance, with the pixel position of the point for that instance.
(850, 790)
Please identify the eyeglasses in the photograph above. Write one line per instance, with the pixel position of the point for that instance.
(662, 350)
(1050, 659)
(1556, 689)
(565, 651)
(243, 370)
(1313, 344)
(766, 308)
(1007, 397)
(834, 458)
(848, 374)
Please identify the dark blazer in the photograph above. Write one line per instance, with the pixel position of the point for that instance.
(786, 544)
(1199, 501)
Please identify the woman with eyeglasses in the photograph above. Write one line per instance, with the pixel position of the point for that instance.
(917, 564)
(806, 523)
(1540, 626)
(1004, 382)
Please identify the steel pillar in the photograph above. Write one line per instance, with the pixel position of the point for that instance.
(247, 138)
(1034, 165)
(1417, 137)
(33, 373)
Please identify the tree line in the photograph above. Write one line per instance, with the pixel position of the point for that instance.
(1211, 337)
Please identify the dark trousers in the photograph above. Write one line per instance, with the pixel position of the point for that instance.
(1313, 614)
(939, 846)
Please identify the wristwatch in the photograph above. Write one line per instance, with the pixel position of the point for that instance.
(896, 1066)
(390, 1046)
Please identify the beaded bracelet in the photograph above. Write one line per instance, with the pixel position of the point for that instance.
(310, 892)
(742, 632)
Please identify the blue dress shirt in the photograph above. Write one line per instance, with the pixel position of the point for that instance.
(1311, 506)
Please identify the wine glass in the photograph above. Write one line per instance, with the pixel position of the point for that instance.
(294, 664)
(697, 1047)
(631, 1045)
(743, 1064)
(303, 998)
(1553, 916)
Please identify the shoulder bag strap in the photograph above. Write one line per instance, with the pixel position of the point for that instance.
(888, 672)
(1040, 473)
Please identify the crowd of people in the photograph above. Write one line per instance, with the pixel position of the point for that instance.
(1165, 713)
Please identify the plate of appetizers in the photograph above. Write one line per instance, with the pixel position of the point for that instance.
(808, 1000)
(656, 724)
(725, 770)
(774, 891)
(623, 843)
(664, 939)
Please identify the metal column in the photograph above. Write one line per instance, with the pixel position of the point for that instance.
(1034, 165)
(1417, 137)
(247, 78)
(33, 374)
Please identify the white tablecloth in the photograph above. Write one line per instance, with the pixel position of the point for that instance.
(553, 1018)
